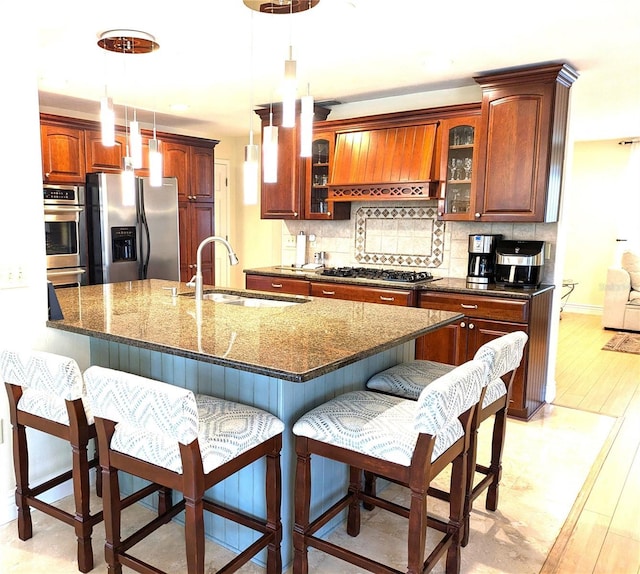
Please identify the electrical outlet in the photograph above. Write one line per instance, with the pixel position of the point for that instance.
(12, 276)
(291, 241)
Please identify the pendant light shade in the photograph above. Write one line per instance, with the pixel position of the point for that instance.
(128, 181)
(289, 89)
(250, 174)
(155, 162)
(107, 122)
(306, 125)
(135, 139)
(270, 152)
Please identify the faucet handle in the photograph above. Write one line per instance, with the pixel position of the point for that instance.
(192, 282)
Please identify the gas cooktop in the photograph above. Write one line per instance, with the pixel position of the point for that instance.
(379, 274)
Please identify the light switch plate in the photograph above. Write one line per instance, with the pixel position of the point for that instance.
(12, 276)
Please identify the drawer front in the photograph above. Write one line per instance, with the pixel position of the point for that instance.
(365, 294)
(516, 310)
(277, 284)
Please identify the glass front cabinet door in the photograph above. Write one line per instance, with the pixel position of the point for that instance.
(317, 196)
(458, 139)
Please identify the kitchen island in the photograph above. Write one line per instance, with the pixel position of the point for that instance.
(284, 359)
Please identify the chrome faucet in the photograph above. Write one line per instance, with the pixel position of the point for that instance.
(196, 280)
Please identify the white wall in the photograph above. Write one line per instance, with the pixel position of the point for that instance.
(23, 311)
(598, 203)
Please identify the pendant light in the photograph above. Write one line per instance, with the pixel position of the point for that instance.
(270, 151)
(289, 84)
(250, 166)
(306, 124)
(289, 88)
(107, 122)
(155, 158)
(128, 177)
(135, 138)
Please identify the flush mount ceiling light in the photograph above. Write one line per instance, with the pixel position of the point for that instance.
(281, 6)
(128, 41)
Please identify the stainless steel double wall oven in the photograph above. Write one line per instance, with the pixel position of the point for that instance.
(65, 234)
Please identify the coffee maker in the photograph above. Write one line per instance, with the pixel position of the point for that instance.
(482, 256)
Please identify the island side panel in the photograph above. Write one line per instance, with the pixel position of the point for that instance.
(285, 399)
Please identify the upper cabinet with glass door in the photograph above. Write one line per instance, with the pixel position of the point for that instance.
(318, 205)
(458, 140)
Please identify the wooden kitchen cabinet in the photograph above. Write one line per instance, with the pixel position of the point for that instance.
(521, 155)
(458, 139)
(63, 158)
(104, 159)
(277, 284)
(316, 193)
(195, 222)
(285, 199)
(404, 297)
(192, 166)
(487, 318)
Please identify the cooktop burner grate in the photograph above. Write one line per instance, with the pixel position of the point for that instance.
(380, 274)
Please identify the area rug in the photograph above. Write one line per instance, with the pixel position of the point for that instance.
(624, 343)
(547, 463)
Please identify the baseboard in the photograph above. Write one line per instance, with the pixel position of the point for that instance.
(584, 309)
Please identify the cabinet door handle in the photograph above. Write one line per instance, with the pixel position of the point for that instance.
(468, 306)
(328, 292)
(382, 298)
(276, 285)
(471, 325)
(295, 214)
(328, 214)
(463, 324)
(476, 215)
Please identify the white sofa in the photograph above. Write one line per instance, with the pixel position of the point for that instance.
(621, 309)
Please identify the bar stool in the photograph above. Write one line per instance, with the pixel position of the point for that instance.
(168, 435)
(46, 392)
(407, 442)
(502, 357)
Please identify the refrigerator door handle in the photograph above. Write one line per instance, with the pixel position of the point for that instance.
(145, 242)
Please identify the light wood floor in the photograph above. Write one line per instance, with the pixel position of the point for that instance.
(602, 533)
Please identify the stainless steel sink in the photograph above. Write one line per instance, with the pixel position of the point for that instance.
(239, 300)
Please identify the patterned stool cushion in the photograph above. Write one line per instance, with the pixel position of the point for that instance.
(153, 417)
(408, 379)
(48, 381)
(387, 427)
(371, 423)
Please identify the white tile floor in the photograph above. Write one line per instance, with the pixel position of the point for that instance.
(545, 464)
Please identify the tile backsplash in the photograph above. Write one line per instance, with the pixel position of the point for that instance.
(402, 235)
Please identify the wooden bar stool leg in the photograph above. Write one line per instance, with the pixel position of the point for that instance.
(470, 476)
(353, 516)
(194, 534)
(111, 504)
(98, 470)
(165, 500)
(456, 510)
(81, 494)
(21, 464)
(273, 481)
(302, 507)
(417, 533)
(497, 443)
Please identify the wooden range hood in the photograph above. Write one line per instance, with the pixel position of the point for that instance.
(384, 164)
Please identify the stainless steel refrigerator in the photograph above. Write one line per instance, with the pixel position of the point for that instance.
(132, 233)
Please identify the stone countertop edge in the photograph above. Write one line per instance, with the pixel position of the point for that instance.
(443, 284)
(295, 343)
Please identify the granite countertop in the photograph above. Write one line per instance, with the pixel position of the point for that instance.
(445, 284)
(294, 343)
